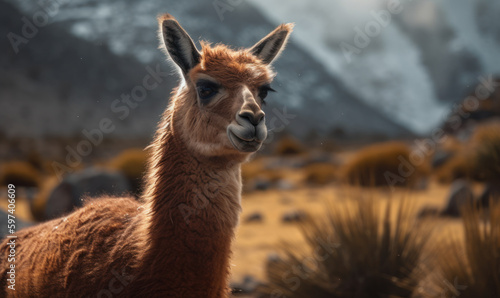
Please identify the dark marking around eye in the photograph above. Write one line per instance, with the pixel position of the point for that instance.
(206, 90)
(263, 90)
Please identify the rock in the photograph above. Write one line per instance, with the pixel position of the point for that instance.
(247, 286)
(440, 158)
(254, 217)
(273, 258)
(284, 184)
(261, 184)
(460, 194)
(91, 183)
(491, 192)
(428, 211)
(29, 193)
(294, 216)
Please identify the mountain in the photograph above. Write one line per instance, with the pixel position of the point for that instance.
(66, 78)
(419, 59)
(59, 84)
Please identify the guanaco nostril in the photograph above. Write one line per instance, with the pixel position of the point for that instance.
(255, 119)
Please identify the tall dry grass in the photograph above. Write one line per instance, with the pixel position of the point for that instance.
(471, 268)
(355, 251)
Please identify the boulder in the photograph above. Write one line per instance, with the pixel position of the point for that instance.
(261, 184)
(254, 217)
(460, 195)
(247, 286)
(294, 216)
(284, 184)
(89, 183)
(440, 158)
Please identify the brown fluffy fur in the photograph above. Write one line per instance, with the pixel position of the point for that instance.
(176, 241)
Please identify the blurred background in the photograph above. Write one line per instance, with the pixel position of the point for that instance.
(388, 98)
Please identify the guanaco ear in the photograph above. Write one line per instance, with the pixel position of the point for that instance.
(269, 48)
(180, 47)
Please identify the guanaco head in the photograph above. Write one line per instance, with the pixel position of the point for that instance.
(218, 106)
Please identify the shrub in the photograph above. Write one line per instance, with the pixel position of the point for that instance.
(451, 145)
(320, 173)
(379, 164)
(486, 152)
(472, 268)
(457, 167)
(288, 145)
(19, 173)
(132, 164)
(480, 160)
(352, 252)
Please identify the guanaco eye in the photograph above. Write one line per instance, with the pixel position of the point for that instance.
(263, 90)
(206, 90)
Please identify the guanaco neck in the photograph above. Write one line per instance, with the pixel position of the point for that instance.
(188, 186)
(192, 207)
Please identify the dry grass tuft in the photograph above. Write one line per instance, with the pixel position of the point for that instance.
(479, 160)
(353, 252)
(320, 173)
(472, 268)
(132, 164)
(486, 156)
(288, 145)
(19, 173)
(383, 164)
(458, 167)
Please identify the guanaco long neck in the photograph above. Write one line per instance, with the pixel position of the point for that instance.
(193, 206)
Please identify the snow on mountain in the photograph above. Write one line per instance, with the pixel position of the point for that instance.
(477, 27)
(406, 76)
(410, 71)
(318, 99)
